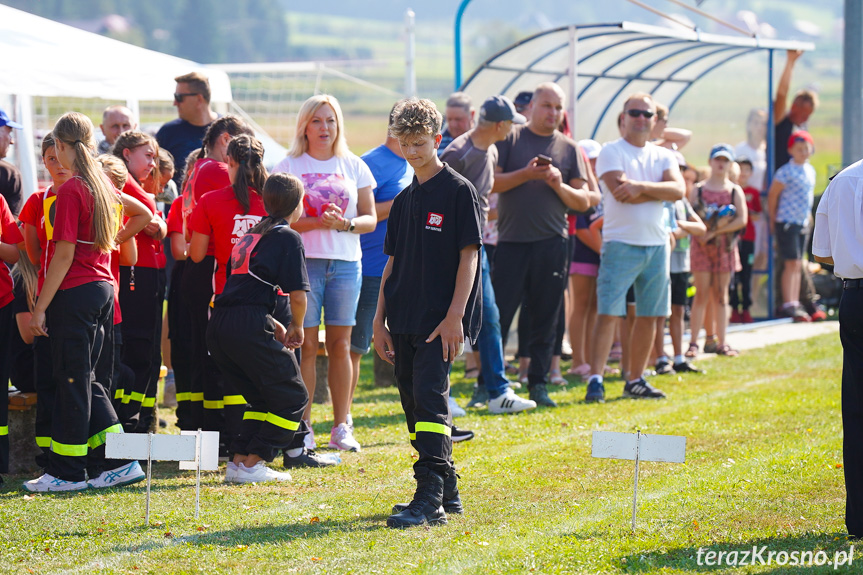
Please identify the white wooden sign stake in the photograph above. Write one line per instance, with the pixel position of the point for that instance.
(639, 447)
(195, 450)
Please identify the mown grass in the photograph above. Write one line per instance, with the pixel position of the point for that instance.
(763, 468)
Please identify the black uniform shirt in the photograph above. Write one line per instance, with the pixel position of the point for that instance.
(428, 225)
(264, 268)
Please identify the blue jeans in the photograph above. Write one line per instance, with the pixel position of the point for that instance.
(489, 342)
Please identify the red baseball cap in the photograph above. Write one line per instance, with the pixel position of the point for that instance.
(801, 135)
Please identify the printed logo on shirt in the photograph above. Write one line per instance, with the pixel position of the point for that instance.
(241, 253)
(434, 222)
(324, 191)
(242, 224)
(49, 213)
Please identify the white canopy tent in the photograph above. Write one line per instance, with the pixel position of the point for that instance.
(42, 57)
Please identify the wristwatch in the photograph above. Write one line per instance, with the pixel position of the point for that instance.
(351, 228)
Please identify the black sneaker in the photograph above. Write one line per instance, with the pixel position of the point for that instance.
(479, 397)
(642, 390)
(539, 394)
(686, 367)
(663, 367)
(460, 434)
(309, 458)
(595, 391)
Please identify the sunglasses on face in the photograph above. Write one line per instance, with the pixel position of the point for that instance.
(178, 97)
(643, 113)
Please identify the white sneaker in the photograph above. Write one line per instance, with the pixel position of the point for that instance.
(455, 409)
(50, 483)
(231, 472)
(509, 402)
(309, 439)
(341, 437)
(123, 475)
(350, 422)
(258, 473)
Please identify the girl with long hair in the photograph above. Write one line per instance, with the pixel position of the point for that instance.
(253, 344)
(142, 289)
(75, 306)
(210, 172)
(338, 206)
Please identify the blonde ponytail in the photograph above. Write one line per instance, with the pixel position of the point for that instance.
(76, 130)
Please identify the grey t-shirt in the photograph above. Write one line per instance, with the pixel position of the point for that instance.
(680, 255)
(533, 211)
(474, 164)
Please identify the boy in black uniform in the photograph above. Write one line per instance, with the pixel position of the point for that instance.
(428, 303)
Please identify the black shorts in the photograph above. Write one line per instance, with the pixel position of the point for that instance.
(790, 240)
(630, 295)
(679, 287)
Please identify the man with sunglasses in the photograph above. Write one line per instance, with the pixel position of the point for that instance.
(183, 135)
(636, 177)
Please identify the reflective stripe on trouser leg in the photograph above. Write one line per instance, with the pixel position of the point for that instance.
(265, 373)
(423, 381)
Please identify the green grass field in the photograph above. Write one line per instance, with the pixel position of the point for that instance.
(763, 468)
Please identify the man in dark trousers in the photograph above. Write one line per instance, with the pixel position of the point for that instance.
(540, 174)
(836, 241)
(10, 177)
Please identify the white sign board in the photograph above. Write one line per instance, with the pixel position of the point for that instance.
(638, 447)
(614, 445)
(161, 448)
(209, 451)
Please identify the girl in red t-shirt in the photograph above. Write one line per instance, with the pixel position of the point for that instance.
(78, 282)
(210, 173)
(11, 241)
(142, 290)
(220, 219)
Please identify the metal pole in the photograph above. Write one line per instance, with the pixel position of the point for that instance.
(457, 40)
(149, 467)
(771, 158)
(410, 55)
(635, 489)
(852, 84)
(198, 442)
(573, 77)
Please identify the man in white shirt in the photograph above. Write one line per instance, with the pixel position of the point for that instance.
(838, 240)
(636, 177)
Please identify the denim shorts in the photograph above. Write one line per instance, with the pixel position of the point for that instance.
(791, 240)
(643, 267)
(335, 286)
(361, 335)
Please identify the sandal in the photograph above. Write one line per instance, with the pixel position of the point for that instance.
(692, 351)
(727, 351)
(711, 344)
(582, 370)
(616, 352)
(557, 378)
(612, 371)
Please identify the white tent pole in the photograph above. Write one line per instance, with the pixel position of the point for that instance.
(134, 106)
(24, 144)
(573, 76)
(410, 55)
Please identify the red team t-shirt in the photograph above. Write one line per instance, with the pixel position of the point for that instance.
(209, 175)
(9, 234)
(175, 217)
(150, 254)
(220, 216)
(74, 223)
(753, 204)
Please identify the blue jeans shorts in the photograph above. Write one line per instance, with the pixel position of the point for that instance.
(335, 286)
(361, 335)
(643, 267)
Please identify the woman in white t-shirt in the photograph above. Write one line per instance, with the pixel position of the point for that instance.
(339, 205)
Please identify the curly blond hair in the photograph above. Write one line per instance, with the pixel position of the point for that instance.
(414, 116)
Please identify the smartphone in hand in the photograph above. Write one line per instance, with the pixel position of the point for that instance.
(543, 160)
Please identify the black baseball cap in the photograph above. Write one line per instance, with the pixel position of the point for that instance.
(500, 109)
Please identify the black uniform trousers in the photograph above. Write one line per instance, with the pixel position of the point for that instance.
(536, 272)
(179, 336)
(741, 284)
(6, 323)
(423, 379)
(266, 373)
(197, 291)
(80, 321)
(142, 291)
(851, 335)
(46, 389)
